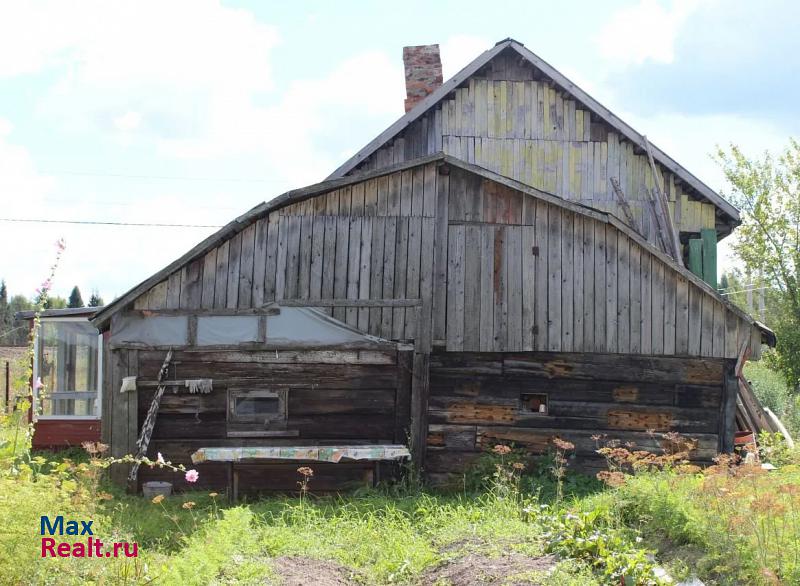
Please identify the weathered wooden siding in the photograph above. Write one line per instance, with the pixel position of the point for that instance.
(475, 403)
(502, 270)
(335, 397)
(510, 120)
(545, 278)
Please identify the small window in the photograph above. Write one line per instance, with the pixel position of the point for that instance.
(534, 403)
(257, 407)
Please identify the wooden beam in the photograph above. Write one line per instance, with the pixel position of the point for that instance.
(727, 420)
(662, 200)
(350, 302)
(626, 209)
(420, 389)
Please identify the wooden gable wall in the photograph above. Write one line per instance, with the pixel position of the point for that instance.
(510, 120)
(500, 270)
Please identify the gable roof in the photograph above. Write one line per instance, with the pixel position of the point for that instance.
(103, 316)
(591, 104)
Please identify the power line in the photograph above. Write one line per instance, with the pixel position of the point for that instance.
(163, 177)
(98, 223)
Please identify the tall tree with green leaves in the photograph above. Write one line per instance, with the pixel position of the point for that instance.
(767, 190)
(75, 299)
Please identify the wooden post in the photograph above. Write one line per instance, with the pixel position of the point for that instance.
(8, 386)
(662, 200)
(419, 406)
(727, 420)
(626, 209)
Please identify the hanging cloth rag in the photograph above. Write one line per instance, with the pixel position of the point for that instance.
(200, 385)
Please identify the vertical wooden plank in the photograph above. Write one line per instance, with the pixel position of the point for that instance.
(500, 289)
(270, 270)
(423, 340)
(383, 195)
(429, 191)
(440, 257)
(455, 288)
(234, 260)
(528, 254)
(588, 247)
(695, 319)
(317, 256)
(418, 191)
(406, 191)
(696, 256)
(682, 316)
(647, 302)
(731, 334)
(472, 288)
(658, 307)
(718, 344)
(364, 277)
(707, 326)
(567, 280)
(376, 274)
(221, 281)
(305, 257)
(670, 310)
(340, 269)
(329, 258)
(209, 279)
(191, 284)
(624, 294)
(635, 288)
(260, 261)
(371, 197)
(246, 266)
(600, 288)
(554, 271)
(393, 196)
(353, 268)
(612, 316)
(486, 321)
(357, 199)
(413, 270)
(709, 238)
(292, 257)
(541, 275)
(390, 234)
(400, 267)
(174, 290)
(514, 287)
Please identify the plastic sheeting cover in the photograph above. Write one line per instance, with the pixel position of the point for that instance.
(305, 325)
(159, 330)
(227, 329)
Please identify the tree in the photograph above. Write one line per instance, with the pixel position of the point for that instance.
(767, 190)
(75, 299)
(95, 300)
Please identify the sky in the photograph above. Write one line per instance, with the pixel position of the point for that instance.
(194, 111)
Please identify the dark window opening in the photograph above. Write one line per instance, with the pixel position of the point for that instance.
(534, 403)
(265, 408)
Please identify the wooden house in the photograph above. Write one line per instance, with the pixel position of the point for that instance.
(497, 291)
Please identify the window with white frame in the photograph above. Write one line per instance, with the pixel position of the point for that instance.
(68, 362)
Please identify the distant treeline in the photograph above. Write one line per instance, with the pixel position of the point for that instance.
(16, 333)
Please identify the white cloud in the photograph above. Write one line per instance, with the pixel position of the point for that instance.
(644, 31)
(459, 50)
(128, 121)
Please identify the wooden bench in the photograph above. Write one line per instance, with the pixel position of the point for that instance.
(232, 456)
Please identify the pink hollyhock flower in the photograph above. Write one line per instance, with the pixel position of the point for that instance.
(38, 384)
(192, 475)
(160, 459)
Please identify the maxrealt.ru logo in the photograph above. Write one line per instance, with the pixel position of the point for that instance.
(92, 547)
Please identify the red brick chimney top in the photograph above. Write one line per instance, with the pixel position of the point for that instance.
(423, 68)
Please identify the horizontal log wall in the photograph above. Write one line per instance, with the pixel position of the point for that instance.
(511, 121)
(362, 398)
(475, 403)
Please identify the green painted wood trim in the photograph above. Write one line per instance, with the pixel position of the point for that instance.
(709, 238)
(695, 256)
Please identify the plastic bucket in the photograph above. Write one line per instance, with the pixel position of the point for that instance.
(155, 488)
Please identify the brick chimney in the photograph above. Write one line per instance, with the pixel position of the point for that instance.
(423, 72)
